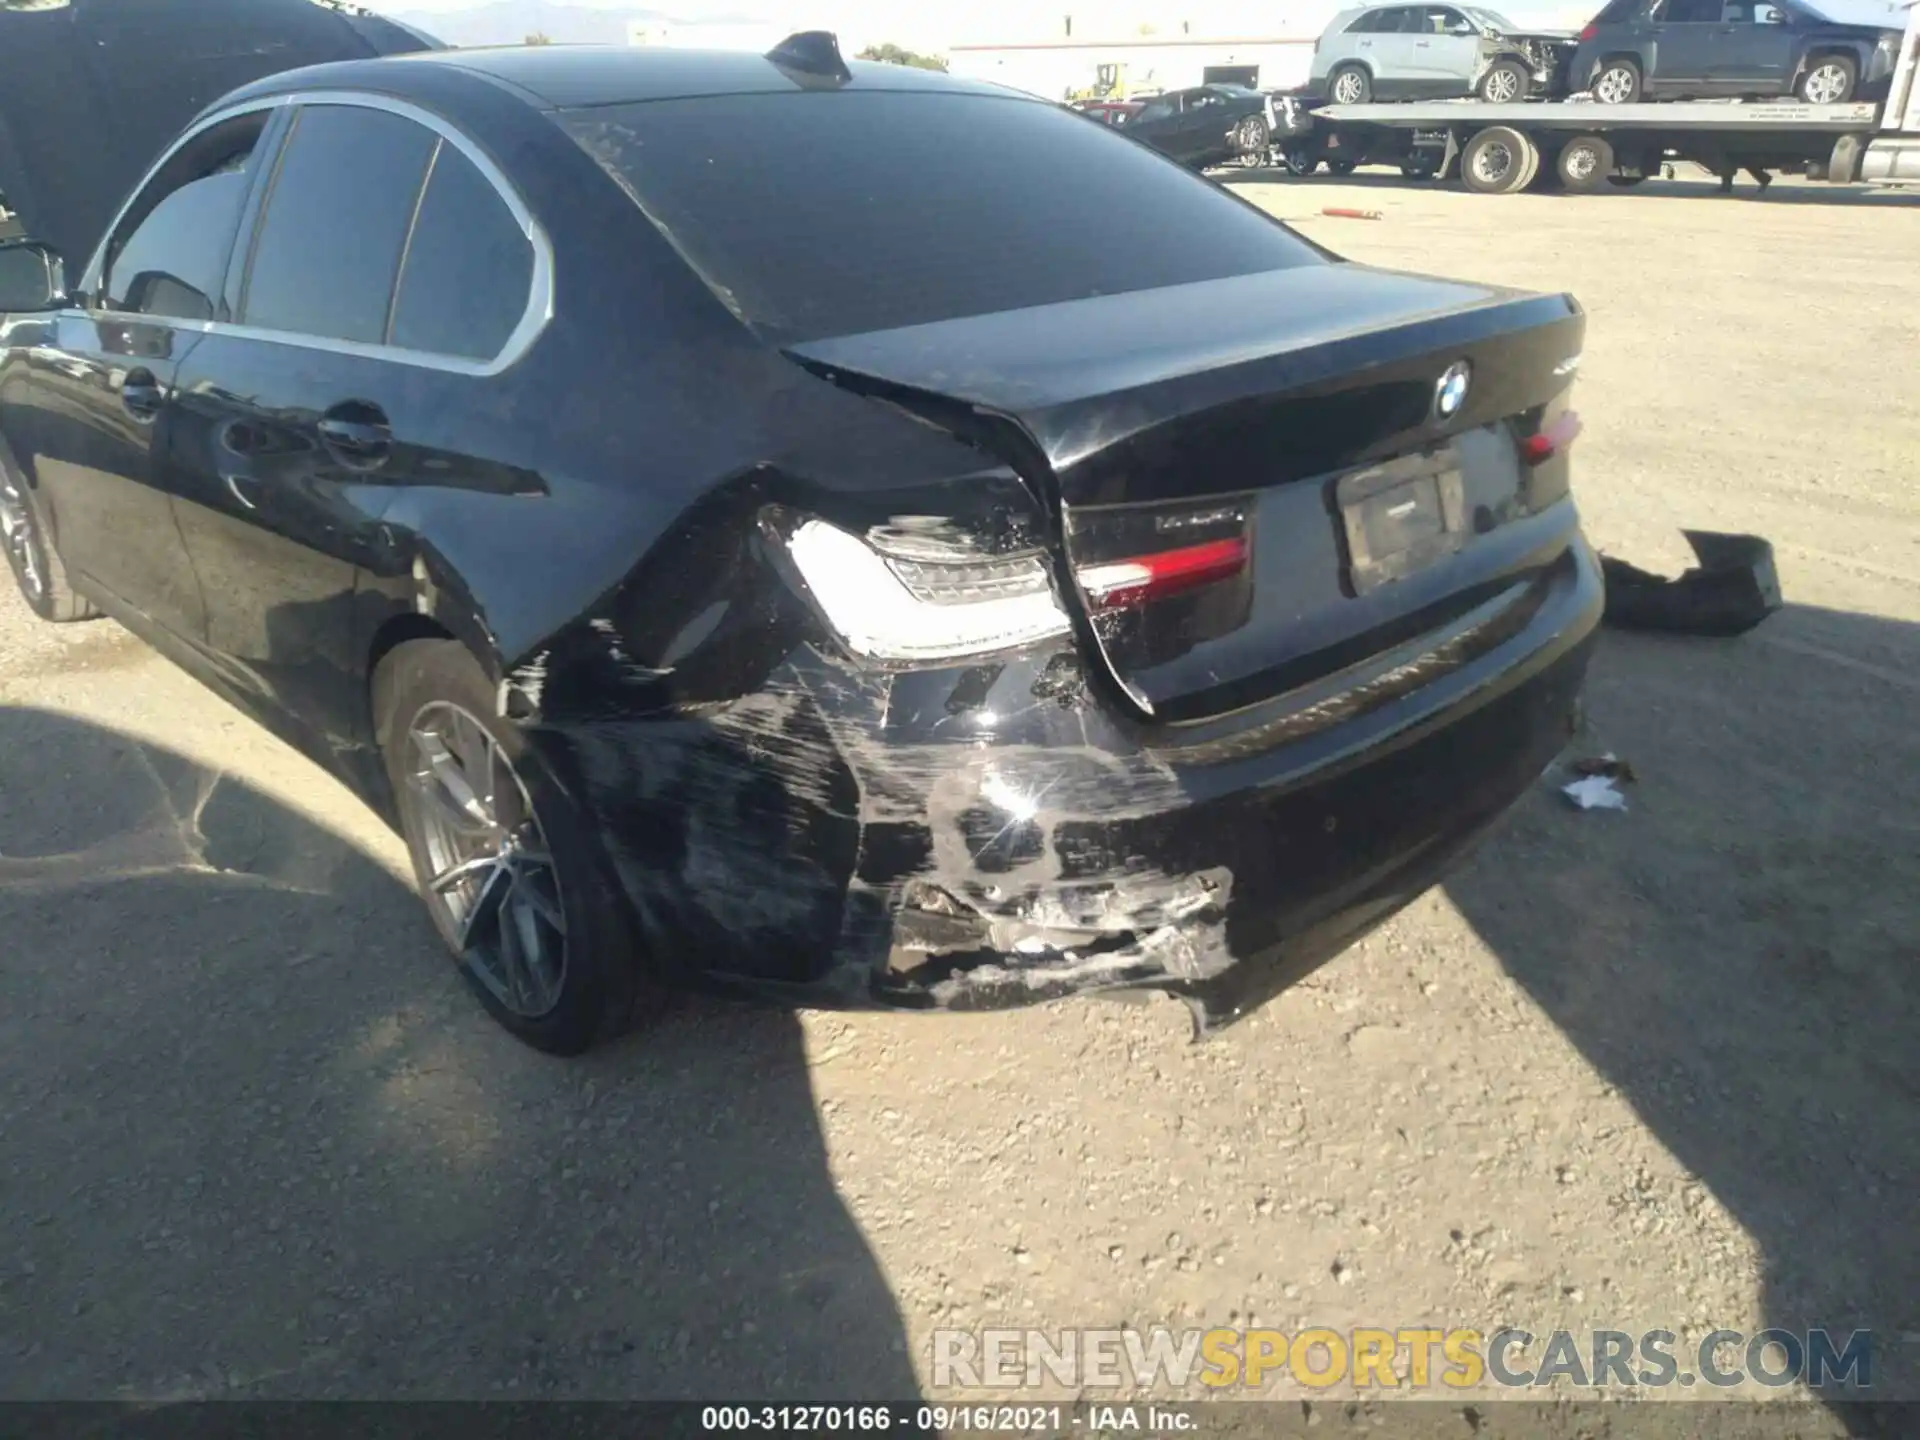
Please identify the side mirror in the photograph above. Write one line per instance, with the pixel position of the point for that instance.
(33, 277)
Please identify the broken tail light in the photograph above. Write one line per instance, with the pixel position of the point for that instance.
(904, 597)
(1552, 439)
(924, 605)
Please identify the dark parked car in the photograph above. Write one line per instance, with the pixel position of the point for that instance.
(90, 90)
(1825, 54)
(746, 533)
(1207, 125)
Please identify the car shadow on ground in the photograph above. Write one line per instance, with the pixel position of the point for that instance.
(260, 1144)
(1736, 954)
(1688, 185)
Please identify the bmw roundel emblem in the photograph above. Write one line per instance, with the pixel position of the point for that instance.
(1450, 392)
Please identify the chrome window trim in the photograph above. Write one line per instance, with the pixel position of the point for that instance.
(534, 319)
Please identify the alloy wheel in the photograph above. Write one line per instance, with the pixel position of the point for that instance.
(1502, 87)
(1826, 84)
(17, 536)
(487, 869)
(1613, 87)
(1346, 90)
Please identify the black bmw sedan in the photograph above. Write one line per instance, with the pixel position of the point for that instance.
(729, 515)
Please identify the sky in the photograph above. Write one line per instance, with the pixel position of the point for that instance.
(933, 26)
(930, 26)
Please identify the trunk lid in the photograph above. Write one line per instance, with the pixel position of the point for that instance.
(1254, 481)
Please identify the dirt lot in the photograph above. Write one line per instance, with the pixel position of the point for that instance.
(1652, 1070)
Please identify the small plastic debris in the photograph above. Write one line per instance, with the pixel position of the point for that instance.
(1338, 212)
(1609, 765)
(1594, 792)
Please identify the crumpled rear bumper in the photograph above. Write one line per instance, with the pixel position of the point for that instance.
(992, 837)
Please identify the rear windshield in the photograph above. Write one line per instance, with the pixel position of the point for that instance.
(838, 212)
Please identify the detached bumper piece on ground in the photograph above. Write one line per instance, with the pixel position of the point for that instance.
(1731, 590)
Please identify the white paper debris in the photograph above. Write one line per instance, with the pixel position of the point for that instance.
(1595, 792)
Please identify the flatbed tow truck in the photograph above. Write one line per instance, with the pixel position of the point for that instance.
(1583, 145)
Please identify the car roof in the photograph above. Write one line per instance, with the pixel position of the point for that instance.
(567, 77)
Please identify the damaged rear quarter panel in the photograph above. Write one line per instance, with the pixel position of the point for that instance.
(934, 838)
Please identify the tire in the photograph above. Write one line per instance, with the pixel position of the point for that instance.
(1350, 85)
(1616, 82)
(1533, 167)
(1498, 160)
(1585, 164)
(1828, 80)
(1505, 83)
(1843, 168)
(1295, 159)
(1341, 167)
(35, 562)
(1251, 137)
(579, 981)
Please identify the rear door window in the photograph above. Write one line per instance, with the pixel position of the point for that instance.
(836, 212)
(468, 272)
(327, 250)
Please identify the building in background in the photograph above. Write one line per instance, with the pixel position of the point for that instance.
(1073, 67)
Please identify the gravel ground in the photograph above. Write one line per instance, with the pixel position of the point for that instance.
(1651, 1070)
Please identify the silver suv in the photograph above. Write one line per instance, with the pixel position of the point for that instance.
(1434, 52)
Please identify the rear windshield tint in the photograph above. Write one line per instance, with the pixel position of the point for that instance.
(835, 213)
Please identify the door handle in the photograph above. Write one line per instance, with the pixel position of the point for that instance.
(140, 395)
(1422, 44)
(357, 435)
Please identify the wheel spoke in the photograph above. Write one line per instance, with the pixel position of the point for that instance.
(530, 885)
(445, 785)
(478, 762)
(513, 956)
(487, 904)
(446, 880)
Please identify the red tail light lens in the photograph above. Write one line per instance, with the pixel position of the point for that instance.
(1119, 583)
(1553, 439)
(1588, 33)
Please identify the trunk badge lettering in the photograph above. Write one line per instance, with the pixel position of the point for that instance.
(1450, 393)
